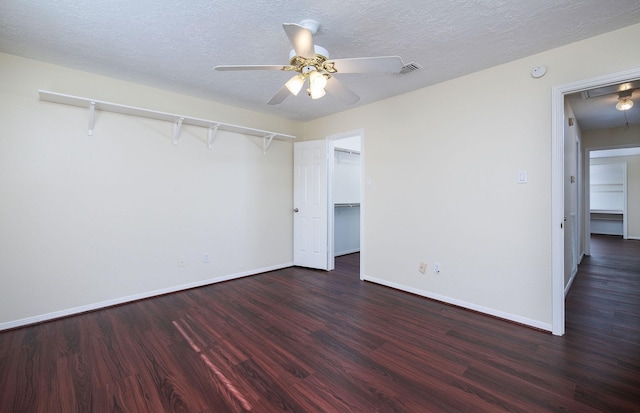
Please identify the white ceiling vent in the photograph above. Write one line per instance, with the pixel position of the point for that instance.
(609, 90)
(410, 67)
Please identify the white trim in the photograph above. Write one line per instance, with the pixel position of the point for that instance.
(570, 283)
(612, 153)
(557, 211)
(122, 300)
(557, 183)
(579, 210)
(586, 206)
(463, 304)
(362, 203)
(625, 227)
(331, 219)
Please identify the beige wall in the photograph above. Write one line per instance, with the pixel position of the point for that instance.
(611, 138)
(443, 162)
(90, 220)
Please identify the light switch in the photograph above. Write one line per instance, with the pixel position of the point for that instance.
(522, 177)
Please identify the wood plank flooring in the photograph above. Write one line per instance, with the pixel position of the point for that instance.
(299, 340)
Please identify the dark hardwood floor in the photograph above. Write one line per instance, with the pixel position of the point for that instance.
(309, 341)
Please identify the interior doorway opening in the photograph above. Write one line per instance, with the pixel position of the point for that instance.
(345, 196)
(607, 193)
(558, 185)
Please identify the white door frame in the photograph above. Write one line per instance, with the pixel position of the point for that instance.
(557, 183)
(331, 139)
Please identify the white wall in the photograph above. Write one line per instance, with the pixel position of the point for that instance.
(353, 143)
(446, 174)
(87, 221)
(346, 174)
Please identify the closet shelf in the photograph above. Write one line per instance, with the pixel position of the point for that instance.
(607, 211)
(178, 120)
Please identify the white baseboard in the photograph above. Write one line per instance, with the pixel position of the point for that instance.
(122, 300)
(463, 304)
(568, 287)
(636, 238)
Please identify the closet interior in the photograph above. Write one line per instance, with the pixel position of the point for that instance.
(346, 197)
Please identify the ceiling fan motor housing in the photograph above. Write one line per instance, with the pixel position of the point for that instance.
(311, 24)
(320, 51)
(306, 65)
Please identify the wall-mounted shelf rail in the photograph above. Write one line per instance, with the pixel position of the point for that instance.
(178, 120)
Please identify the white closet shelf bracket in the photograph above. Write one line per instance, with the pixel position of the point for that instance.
(213, 131)
(176, 130)
(92, 110)
(178, 120)
(266, 142)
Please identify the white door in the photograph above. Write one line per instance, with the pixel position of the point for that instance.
(310, 204)
(571, 183)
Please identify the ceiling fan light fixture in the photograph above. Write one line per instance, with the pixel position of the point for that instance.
(295, 84)
(316, 93)
(624, 100)
(317, 83)
(308, 60)
(624, 104)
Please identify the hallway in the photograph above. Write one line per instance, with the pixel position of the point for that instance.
(603, 318)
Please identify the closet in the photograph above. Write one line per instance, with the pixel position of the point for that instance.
(608, 198)
(346, 198)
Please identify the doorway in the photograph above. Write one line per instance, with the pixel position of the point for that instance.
(558, 259)
(345, 195)
(607, 198)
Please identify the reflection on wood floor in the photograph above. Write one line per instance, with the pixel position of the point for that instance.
(301, 340)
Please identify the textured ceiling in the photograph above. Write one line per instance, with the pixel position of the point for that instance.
(597, 108)
(174, 44)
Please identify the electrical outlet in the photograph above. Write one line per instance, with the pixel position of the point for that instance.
(205, 258)
(423, 267)
(180, 261)
(436, 268)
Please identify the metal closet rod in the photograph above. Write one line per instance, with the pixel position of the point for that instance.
(349, 151)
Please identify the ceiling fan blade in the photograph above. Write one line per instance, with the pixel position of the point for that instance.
(340, 91)
(383, 64)
(279, 97)
(301, 39)
(253, 67)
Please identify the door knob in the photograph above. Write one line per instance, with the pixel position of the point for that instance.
(295, 209)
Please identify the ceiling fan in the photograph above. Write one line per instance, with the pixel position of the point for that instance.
(311, 62)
